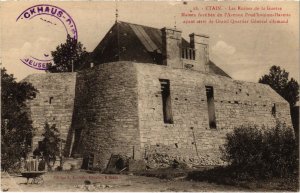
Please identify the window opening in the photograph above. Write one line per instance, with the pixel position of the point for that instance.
(166, 101)
(211, 107)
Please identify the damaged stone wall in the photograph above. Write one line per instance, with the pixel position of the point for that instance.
(54, 102)
(106, 117)
(118, 110)
(190, 137)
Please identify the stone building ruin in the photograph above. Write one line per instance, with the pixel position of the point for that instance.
(150, 91)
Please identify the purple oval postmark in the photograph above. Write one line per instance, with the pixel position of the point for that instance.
(52, 15)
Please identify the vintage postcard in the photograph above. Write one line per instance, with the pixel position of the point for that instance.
(149, 96)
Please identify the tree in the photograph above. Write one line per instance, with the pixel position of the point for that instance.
(49, 147)
(16, 127)
(278, 79)
(65, 54)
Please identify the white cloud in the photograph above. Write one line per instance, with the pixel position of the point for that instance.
(223, 48)
(11, 58)
(11, 61)
(38, 48)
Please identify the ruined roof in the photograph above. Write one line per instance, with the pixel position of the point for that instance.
(132, 42)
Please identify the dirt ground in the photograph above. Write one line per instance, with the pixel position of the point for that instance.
(74, 181)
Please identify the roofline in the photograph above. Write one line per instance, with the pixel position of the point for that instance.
(138, 24)
(226, 74)
(104, 36)
(172, 29)
(200, 35)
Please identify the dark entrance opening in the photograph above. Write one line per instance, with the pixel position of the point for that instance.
(87, 162)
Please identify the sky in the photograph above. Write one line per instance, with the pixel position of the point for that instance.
(244, 51)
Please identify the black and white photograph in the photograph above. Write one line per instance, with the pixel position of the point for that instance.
(149, 96)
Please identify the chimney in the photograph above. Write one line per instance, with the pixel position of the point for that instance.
(171, 47)
(201, 45)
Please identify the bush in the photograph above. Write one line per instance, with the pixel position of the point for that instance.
(261, 153)
(49, 146)
(281, 151)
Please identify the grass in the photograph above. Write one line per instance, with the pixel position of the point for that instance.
(164, 173)
(228, 176)
(225, 176)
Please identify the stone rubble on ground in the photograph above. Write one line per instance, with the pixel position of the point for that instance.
(93, 187)
(159, 160)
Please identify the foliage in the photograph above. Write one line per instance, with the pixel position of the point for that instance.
(65, 54)
(264, 158)
(281, 152)
(278, 79)
(16, 127)
(242, 146)
(258, 154)
(49, 147)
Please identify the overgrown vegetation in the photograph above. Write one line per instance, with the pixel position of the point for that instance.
(262, 153)
(69, 56)
(49, 146)
(278, 79)
(16, 127)
(255, 154)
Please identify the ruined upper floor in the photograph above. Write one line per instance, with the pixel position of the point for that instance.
(166, 46)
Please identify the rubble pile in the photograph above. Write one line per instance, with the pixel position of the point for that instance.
(159, 160)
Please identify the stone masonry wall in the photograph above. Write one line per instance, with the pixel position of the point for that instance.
(60, 89)
(106, 117)
(190, 138)
(118, 110)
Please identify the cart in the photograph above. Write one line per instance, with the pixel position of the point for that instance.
(36, 176)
